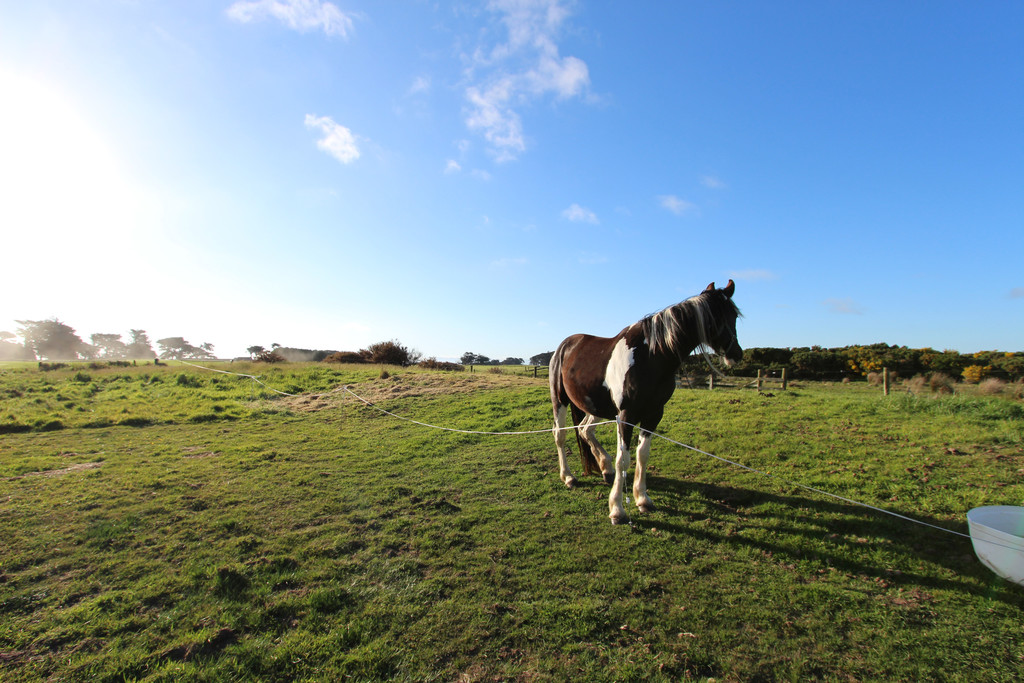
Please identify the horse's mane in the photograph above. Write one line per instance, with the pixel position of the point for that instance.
(680, 328)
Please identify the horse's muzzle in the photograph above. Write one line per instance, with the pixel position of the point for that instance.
(733, 354)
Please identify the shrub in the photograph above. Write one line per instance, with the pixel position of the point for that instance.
(941, 383)
(81, 377)
(973, 374)
(874, 378)
(992, 386)
(390, 353)
(344, 357)
(268, 357)
(435, 364)
(916, 385)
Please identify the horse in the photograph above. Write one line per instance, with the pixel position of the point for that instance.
(629, 378)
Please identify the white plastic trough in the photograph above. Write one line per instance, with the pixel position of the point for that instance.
(997, 532)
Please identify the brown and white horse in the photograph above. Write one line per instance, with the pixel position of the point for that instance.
(629, 378)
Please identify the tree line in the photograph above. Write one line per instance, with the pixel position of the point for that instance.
(470, 358)
(54, 340)
(42, 340)
(853, 362)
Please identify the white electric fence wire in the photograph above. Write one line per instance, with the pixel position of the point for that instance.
(466, 431)
(254, 378)
(660, 436)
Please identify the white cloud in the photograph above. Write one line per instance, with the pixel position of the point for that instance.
(420, 85)
(452, 167)
(846, 306)
(527, 66)
(337, 140)
(579, 214)
(675, 204)
(713, 183)
(753, 275)
(299, 15)
(499, 123)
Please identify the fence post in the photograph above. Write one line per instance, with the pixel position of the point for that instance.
(759, 381)
(885, 381)
(785, 378)
(711, 382)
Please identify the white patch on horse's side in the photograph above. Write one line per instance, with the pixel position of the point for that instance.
(615, 374)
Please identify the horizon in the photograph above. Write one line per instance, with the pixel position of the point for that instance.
(493, 177)
(494, 359)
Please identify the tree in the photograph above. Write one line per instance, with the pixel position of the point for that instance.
(542, 358)
(177, 348)
(255, 351)
(173, 347)
(139, 346)
(109, 346)
(11, 350)
(512, 361)
(52, 340)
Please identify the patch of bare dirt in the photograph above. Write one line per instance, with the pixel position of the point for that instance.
(406, 385)
(195, 452)
(309, 403)
(65, 470)
(413, 385)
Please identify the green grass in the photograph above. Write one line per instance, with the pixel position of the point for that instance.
(182, 525)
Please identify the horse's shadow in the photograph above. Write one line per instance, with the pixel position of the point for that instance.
(840, 535)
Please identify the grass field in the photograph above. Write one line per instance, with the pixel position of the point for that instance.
(174, 524)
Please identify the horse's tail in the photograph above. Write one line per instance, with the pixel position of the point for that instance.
(587, 457)
(559, 397)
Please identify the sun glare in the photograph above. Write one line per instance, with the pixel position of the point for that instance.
(65, 199)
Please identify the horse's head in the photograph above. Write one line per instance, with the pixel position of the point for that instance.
(722, 338)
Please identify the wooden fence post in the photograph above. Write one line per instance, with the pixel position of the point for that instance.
(885, 381)
(759, 381)
(711, 382)
(785, 379)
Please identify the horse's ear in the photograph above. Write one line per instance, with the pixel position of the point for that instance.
(710, 288)
(729, 289)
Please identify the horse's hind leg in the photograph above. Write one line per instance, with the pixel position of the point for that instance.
(604, 461)
(564, 473)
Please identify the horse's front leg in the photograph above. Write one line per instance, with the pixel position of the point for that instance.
(643, 451)
(616, 511)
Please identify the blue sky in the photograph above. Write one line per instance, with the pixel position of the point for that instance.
(491, 177)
